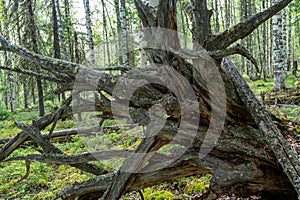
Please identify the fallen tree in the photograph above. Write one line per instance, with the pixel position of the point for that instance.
(247, 155)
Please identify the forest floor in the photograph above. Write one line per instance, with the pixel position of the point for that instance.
(46, 180)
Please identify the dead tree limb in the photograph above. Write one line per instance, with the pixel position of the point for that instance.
(31, 73)
(59, 159)
(33, 132)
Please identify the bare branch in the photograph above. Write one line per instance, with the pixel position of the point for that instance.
(31, 73)
(33, 131)
(238, 49)
(63, 67)
(72, 159)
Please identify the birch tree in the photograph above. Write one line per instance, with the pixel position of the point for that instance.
(277, 32)
(88, 25)
(123, 34)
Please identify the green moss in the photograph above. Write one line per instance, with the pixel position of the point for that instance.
(158, 195)
(197, 185)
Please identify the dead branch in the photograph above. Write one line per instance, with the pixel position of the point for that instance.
(17, 140)
(238, 49)
(72, 159)
(65, 68)
(33, 131)
(31, 73)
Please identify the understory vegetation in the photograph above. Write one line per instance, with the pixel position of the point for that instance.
(46, 180)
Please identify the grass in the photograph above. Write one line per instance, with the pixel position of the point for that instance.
(266, 86)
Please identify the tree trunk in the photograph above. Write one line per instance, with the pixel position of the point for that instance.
(88, 25)
(105, 32)
(35, 49)
(69, 29)
(8, 62)
(289, 42)
(61, 36)
(123, 37)
(279, 74)
(217, 24)
(284, 42)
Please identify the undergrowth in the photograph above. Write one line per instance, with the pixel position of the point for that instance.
(46, 180)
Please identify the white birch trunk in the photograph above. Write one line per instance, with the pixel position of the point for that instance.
(88, 25)
(60, 31)
(284, 41)
(124, 50)
(143, 55)
(279, 73)
(290, 46)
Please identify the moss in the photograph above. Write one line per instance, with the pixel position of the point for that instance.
(158, 195)
(197, 185)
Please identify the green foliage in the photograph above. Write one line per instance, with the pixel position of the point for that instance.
(3, 89)
(4, 113)
(158, 195)
(197, 185)
(266, 86)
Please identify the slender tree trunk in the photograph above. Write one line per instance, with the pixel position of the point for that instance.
(25, 94)
(182, 24)
(33, 91)
(60, 31)
(143, 54)
(69, 29)
(88, 25)
(61, 36)
(279, 74)
(123, 38)
(227, 13)
(243, 16)
(290, 46)
(105, 31)
(284, 41)
(264, 46)
(35, 49)
(8, 61)
(217, 23)
(56, 46)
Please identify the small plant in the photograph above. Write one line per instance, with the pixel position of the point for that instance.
(197, 185)
(158, 195)
(4, 113)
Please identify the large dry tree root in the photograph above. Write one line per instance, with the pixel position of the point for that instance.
(251, 156)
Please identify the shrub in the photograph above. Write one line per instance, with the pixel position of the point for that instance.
(4, 113)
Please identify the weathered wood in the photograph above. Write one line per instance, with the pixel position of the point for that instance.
(33, 132)
(280, 147)
(72, 159)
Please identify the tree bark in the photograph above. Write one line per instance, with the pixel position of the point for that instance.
(8, 62)
(279, 74)
(35, 49)
(88, 25)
